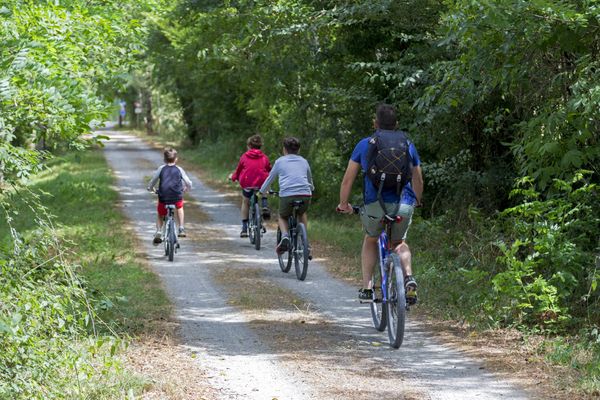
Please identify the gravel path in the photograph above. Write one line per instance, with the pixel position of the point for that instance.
(245, 363)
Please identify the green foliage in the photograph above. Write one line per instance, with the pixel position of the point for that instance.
(55, 345)
(490, 92)
(58, 61)
(551, 256)
(45, 320)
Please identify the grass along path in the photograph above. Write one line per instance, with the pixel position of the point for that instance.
(78, 190)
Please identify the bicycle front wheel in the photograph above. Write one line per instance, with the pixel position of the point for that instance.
(301, 252)
(257, 226)
(396, 300)
(378, 309)
(285, 259)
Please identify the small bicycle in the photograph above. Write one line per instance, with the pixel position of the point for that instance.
(255, 225)
(298, 249)
(169, 233)
(389, 304)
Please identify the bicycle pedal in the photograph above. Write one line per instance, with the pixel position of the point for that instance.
(365, 301)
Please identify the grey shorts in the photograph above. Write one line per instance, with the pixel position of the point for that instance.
(371, 215)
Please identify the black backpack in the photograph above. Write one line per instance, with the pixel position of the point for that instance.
(388, 161)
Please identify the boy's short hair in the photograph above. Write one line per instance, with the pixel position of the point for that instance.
(291, 145)
(386, 116)
(170, 155)
(254, 142)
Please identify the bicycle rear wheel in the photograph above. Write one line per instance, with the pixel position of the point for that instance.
(257, 226)
(165, 233)
(396, 300)
(378, 309)
(301, 252)
(172, 240)
(285, 259)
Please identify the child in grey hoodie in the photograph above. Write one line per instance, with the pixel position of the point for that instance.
(295, 183)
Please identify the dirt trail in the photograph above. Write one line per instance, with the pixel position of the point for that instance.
(327, 350)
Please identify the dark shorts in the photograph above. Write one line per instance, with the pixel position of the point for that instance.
(286, 208)
(247, 193)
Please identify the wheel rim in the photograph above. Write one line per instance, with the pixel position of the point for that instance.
(301, 252)
(396, 306)
(257, 226)
(285, 259)
(378, 310)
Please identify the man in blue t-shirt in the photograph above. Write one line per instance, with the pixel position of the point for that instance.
(372, 213)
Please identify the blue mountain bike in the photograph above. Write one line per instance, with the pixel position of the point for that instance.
(389, 305)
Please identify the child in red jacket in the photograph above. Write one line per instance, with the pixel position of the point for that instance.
(251, 172)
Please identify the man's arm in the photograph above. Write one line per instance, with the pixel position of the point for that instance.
(346, 187)
(417, 183)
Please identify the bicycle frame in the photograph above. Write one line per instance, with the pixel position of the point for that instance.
(385, 248)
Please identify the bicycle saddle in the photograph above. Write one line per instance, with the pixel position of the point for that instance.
(297, 203)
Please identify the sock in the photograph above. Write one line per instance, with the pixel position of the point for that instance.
(244, 224)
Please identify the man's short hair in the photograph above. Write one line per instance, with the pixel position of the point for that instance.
(170, 155)
(386, 116)
(254, 142)
(291, 145)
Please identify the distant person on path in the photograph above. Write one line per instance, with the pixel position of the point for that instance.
(122, 112)
(295, 183)
(172, 183)
(371, 214)
(251, 172)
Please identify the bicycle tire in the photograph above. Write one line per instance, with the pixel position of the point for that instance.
(378, 308)
(396, 301)
(251, 236)
(285, 259)
(165, 232)
(172, 239)
(257, 226)
(301, 252)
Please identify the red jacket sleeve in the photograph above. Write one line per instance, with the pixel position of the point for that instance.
(236, 174)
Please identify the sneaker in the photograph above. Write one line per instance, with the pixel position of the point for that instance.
(244, 233)
(266, 213)
(181, 232)
(309, 253)
(157, 239)
(283, 245)
(365, 295)
(410, 286)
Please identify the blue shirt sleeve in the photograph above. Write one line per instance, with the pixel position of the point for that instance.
(414, 156)
(359, 153)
